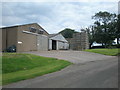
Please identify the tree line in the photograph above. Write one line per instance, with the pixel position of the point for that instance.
(105, 30)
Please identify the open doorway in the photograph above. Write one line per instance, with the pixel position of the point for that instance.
(54, 45)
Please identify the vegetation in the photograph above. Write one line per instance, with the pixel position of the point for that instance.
(105, 29)
(111, 52)
(16, 66)
(91, 35)
(67, 32)
(117, 31)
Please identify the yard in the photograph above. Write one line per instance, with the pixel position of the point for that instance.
(111, 52)
(17, 66)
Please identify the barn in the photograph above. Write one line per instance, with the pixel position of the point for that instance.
(58, 42)
(30, 37)
(27, 37)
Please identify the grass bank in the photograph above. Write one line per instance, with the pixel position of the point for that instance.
(16, 66)
(111, 52)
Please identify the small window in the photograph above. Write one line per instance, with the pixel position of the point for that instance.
(40, 31)
(32, 29)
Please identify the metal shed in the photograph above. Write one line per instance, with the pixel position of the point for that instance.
(57, 42)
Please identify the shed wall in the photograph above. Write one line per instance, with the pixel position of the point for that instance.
(61, 42)
(9, 37)
(4, 46)
(29, 41)
(42, 43)
(50, 44)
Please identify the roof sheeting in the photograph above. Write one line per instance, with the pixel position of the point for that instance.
(58, 37)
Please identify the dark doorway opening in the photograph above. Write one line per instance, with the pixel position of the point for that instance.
(54, 44)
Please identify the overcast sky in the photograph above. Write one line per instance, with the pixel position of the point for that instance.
(54, 16)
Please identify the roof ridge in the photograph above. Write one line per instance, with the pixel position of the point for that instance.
(19, 25)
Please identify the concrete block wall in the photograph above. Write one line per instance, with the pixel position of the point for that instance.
(9, 37)
(79, 41)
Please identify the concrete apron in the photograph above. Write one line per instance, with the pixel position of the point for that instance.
(75, 57)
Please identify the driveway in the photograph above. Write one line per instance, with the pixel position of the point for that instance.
(89, 70)
(75, 57)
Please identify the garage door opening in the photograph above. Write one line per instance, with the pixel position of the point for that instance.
(54, 45)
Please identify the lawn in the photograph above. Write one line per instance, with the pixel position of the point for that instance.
(17, 66)
(111, 52)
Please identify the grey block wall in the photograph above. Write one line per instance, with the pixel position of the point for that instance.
(79, 41)
(42, 43)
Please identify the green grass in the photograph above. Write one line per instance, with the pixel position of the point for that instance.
(111, 52)
(16, 66)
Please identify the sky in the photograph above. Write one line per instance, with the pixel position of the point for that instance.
(55, 16)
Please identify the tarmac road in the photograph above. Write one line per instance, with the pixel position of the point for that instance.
(101, 73)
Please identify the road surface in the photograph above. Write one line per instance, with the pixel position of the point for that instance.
(99, 72)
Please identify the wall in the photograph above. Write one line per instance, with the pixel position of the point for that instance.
(50, 44)
(79, 41)
(28, 41)
(71, 43)
(62, 45)
(9, 37)
(42, 43)
(66, 45)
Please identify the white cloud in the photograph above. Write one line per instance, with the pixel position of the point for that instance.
(119, 7)
(55, 16)
(12, 20)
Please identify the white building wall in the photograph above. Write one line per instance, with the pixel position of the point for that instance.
(61, 45)
(57, 44)
(66, 45)
(50, 44)
(61, 42)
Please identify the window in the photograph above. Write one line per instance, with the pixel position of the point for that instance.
(40, 31)
(32, 29)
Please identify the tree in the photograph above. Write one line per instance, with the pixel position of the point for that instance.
(117, 29)
(67, 32)
(104, 27)
(90, 31)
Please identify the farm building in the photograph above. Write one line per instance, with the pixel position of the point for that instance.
(57, 42)
(30, 37)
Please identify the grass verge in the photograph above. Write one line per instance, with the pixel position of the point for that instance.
(16, 66)
(111, 52)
